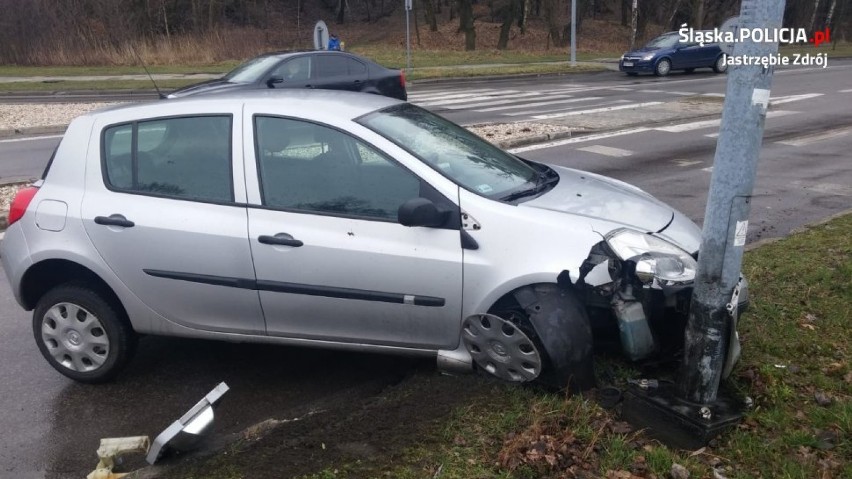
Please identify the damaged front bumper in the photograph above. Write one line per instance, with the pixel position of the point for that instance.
(646, 297)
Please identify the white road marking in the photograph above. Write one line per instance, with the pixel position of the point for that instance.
(681, 93)
(596, 110)
(466, 98)
(31, 138)
(580, 139)
(697, 125)
(715, 95)
(505, 100)
(544, 110)
(435, 95)
(791, 98)
(607, 151)
(539, 103)
(685, 163)
(845, 91)
(807, 140)
(712, 135)
(709, 169)
(828, 188)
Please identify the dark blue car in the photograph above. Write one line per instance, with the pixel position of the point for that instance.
(666, 53)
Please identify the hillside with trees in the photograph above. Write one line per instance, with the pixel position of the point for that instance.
(104, 32)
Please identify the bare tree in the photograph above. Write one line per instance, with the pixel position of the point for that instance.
(634, 24)
(698, 21)
(812, 24)
(466, 24)
(430, 15)
(830, 13)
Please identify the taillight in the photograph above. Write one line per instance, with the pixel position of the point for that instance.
(402, 78)
(21, 203)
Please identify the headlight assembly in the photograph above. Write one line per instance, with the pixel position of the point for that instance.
(648, 56)
(655, 258)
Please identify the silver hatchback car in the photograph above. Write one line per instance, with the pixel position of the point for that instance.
(338, 220)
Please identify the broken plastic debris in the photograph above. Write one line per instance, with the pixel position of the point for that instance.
(185, 433)
(110, 452)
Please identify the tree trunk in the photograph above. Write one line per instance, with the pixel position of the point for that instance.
(466, 24)
(416, 22)
(625, 9)
(634, 24)
(828, 17)
(698, 21)
(507, 12)
(551, 16)
(430, 15)
(812, 25)
(669, 24)
(341, 12)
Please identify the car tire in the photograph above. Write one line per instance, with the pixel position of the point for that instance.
(720, 65)
(558, 325)
(663, 67)
(82, 334)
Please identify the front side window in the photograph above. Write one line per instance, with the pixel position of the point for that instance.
(178, 157)
(295, 70)
(308, 167)
(454, 151)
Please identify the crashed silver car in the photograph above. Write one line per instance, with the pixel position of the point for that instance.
(338, 220)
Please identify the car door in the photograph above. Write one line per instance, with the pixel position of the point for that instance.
(292, 73)
(166, 211)
(339, 72)
(331, 260)
(686, 55)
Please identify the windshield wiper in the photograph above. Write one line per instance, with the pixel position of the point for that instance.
(545, 179)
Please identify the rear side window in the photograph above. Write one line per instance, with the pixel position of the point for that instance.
(338, 65)
(188, 158)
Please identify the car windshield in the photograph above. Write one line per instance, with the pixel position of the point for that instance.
(453, 151)
(664, 41)
(252, 70)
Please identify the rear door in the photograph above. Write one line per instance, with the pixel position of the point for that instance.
(339, 72)
(166, 211)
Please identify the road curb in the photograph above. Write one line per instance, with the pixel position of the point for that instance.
(32, 131)
(531, 140)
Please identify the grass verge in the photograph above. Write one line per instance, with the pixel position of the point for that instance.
(796, 367)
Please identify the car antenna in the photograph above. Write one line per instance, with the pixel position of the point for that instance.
(159, 93)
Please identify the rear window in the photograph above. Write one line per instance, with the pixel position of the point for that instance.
(187, 158)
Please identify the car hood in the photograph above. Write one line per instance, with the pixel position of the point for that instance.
(205, 87)
(587, 194)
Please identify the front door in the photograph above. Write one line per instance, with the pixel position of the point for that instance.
(331, 260)
(164, 213)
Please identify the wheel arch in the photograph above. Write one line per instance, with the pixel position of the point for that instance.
(47, 274)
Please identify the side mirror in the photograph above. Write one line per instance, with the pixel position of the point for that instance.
(421, 212)
(273, 81)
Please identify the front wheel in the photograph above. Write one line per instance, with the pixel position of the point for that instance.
(539, 332)
(721, 65)
(663, 67)
(82, 334)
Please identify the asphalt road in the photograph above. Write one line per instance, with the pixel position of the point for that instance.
(805, 174)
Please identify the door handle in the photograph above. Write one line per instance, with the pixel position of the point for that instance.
(281, 239)
(114, 220)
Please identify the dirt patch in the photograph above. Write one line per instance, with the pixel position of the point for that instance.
(365, 433)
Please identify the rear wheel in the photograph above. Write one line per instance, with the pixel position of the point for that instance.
(663, 67)
(721, 65)
(82, 334)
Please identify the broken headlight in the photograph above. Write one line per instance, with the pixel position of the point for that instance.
(655, 258)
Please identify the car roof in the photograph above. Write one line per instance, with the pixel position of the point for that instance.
(336, 103)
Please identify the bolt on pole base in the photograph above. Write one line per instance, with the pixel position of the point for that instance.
(676, 422)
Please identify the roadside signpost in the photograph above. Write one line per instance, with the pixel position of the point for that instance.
(573, 33)
(690, 413)
(320, 36)
(408, 6)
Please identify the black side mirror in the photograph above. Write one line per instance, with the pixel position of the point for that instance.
(273, 81)
(421, 212)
